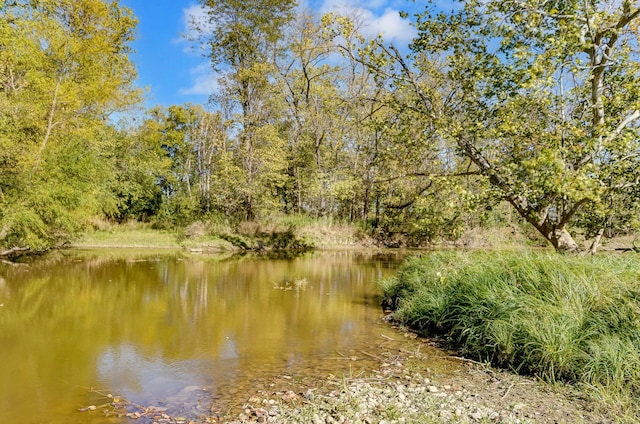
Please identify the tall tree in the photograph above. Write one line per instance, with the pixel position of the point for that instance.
(64, 68)
(542, 97)
(401, 163)
(310, 94)
(555, 104)
(243, 37)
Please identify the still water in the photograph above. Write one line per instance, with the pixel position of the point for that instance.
(164, 328)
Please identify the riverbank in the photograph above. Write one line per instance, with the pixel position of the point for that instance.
(293, 232)
(209, 238)
(559, 318)
(414, 382)
(403, 390)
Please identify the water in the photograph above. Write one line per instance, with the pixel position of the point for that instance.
(189, 334)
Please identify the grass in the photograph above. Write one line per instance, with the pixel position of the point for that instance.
(131, 234)
(279, 232)
(561, 318)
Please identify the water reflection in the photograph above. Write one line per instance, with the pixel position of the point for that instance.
(163, 327)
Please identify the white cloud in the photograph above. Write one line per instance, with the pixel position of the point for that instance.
(194, 21)
(392, 26)
(374, 19)
(204, 81)
(194, 17)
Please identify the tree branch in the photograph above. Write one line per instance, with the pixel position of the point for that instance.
(612, 136)
(567, 216)
(413, 200)
(50, 123)
(622, 125)
(13, 251)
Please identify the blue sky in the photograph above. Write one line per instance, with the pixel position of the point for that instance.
(174, 74)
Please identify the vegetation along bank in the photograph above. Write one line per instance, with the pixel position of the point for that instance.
(562, 319)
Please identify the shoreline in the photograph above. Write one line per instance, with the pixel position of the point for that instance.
(405, 387)
(414, 382)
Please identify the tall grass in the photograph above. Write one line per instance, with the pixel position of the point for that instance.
(562, 318)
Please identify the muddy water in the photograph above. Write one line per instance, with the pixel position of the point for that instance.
(191, 334)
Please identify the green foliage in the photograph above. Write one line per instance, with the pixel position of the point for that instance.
(537, 106)
(242, 29)
(64, 68)
(273, 234)
(540, 99)
(441, 212)
(556, 317)
(131, 189)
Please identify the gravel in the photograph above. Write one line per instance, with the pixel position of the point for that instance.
(414, 383)
(396, 393)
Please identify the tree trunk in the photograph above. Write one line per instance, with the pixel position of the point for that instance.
(596, 241)
(365, 204)
(14, 251)
(563, 242)
(50, 123)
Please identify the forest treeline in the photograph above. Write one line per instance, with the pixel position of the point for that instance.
(496, 107)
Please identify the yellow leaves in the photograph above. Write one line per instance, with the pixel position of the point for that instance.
(340, 26)
(547, 175)
(78, 47)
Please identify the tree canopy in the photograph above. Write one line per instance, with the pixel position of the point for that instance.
(527, 103)
(541, 97)
(547, 103)
(64, 68)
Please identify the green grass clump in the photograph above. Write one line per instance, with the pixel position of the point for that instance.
(562, 318)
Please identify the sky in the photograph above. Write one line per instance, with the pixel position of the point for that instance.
(172, 73)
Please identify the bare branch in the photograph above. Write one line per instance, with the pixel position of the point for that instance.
(622, 125)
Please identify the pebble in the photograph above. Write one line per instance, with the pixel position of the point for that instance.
(518, 406)
(395, 399)
(476, 415)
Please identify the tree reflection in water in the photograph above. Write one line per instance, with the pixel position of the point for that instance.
(149, 325)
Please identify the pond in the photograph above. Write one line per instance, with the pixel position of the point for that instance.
(194, 334)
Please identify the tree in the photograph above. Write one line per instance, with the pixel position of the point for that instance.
(64, 68)
(550, 112)
(403, 169)
(135, 165)
(542, 97)
(243, 38)
(310, 97)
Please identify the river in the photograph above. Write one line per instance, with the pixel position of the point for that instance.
(188, 334)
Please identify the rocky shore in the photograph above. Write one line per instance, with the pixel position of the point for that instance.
(403, 392)
(414, 383)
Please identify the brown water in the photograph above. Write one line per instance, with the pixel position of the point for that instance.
(192, 334)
